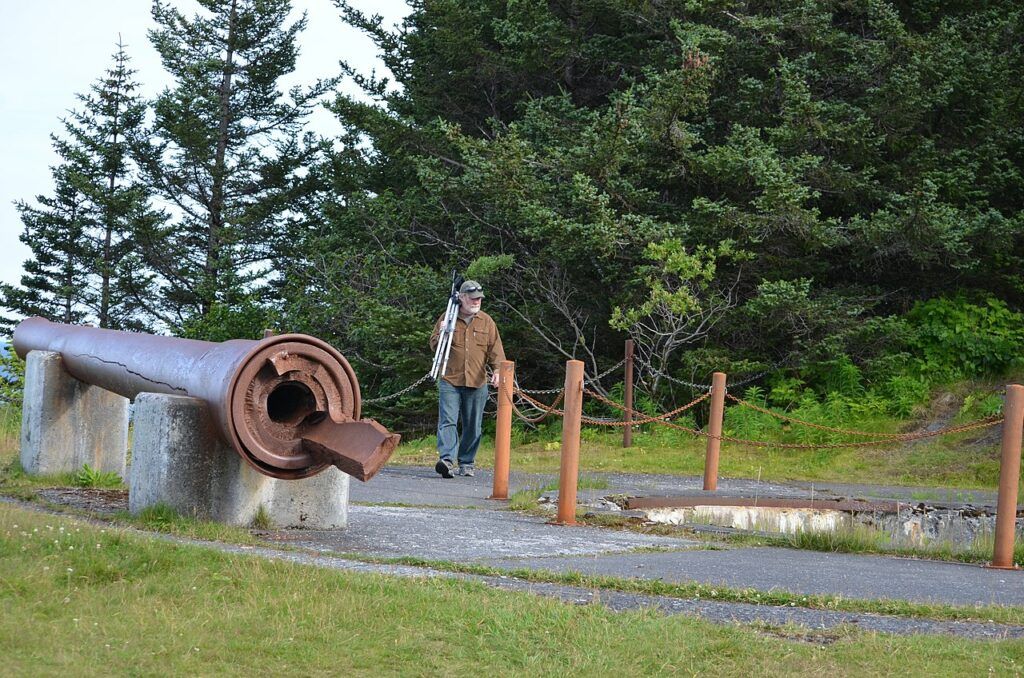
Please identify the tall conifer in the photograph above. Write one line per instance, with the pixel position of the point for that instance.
(101, 138)
(85, 261)
(226, 151)
(55, 282)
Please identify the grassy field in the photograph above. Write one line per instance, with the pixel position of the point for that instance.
(94, 601)
(943, 463)
(961, 461)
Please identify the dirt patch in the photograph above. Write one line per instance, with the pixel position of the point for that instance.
(106, 502)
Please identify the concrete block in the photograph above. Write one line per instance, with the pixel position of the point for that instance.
(318, 503)
(179, 460)
(67, 424)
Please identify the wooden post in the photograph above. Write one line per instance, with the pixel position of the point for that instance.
(570, 443)
(627, 430)
(503, 430)
(1009, 478)
(714, 431)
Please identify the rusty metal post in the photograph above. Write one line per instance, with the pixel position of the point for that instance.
(627, 430)
(714, 431)
(570, 466)
(1009, 478)
(503, 430)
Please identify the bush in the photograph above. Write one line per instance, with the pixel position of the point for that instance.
(956, 338)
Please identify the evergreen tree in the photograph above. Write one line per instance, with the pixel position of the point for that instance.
(55, 283)
(101, 138)
(225, 155)
(86, 262)
(806, 171)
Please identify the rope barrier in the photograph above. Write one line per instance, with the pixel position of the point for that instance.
(877, 439)
(886, 439)
(820, 427)
(645, 420)
(546, 409)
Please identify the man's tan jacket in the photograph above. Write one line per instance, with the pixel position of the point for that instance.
(475, 344)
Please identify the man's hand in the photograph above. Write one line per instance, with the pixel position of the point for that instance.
(495, 377)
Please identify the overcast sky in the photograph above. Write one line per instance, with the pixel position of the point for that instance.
(52, 49)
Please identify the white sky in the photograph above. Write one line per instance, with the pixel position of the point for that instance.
(52, 49)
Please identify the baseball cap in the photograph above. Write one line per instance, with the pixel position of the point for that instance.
(472, 289)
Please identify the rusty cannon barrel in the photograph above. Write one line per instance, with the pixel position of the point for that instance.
(288, 404)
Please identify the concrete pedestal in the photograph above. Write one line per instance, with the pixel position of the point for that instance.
(317, 503)
(67, 424)
(179, 460)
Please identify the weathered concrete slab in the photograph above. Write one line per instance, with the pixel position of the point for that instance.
(319, 503)
(179, 460)
(67, 424)
(465, 535)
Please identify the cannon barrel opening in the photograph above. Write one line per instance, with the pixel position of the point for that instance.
(291, 403)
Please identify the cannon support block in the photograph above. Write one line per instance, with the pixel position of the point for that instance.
(179, 460)
(67, 423)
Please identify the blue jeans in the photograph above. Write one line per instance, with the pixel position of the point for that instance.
(454, 403)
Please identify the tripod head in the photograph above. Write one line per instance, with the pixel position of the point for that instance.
(457, 281)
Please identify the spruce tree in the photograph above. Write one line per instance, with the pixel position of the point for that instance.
(100, 138)
(55, 282)
(225, 154)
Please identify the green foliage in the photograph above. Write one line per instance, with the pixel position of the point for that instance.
(90, 477)
(244, 320)
(12, 378)
(776, 183)
(957, 338)
(227, 150)
(980, 405)
(261, 521)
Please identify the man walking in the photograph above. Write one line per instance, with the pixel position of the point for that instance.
(462, 390)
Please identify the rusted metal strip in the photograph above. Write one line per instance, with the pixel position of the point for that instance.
(847, 505)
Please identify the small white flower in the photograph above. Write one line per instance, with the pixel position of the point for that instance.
(71, 548)
(71, 569)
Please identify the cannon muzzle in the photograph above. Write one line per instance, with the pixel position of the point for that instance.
(288, 404)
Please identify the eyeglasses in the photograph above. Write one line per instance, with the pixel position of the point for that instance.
(472, 289)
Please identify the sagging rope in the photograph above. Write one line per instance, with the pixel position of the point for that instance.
(663, 420)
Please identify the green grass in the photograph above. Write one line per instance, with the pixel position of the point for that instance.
(88, 601)
(526, 498)
(945, 462)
